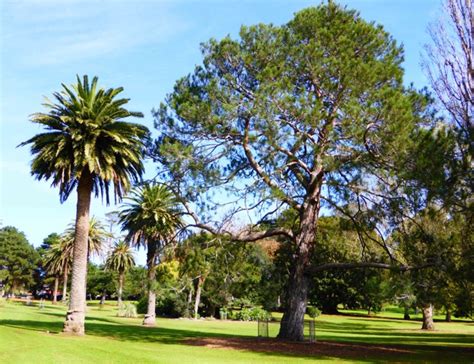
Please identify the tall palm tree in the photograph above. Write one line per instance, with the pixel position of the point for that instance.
(89, 147)
(58, 261)
(151, 217)
(120, 259)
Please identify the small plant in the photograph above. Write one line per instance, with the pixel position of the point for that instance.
(127, 310)
(313, 312)
(252, 314)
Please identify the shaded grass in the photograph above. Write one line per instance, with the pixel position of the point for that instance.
(29, 334)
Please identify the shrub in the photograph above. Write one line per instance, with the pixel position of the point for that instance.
(252, 314)
(142, 305)
(127, 310)
(165, 306)
(313, 312)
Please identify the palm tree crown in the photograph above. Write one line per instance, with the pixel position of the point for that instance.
(120, 258)
(86, 133)
(97, 237)
(151, 214)
(59, 256)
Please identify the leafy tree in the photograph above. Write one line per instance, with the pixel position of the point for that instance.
(151, 216)
(219, 272)
(87, 146)
(120, 260)
(291, 116)
(430, 241)
(100, 282)
(41, 275)
(197, 255)
(135, 286)
(18, 260)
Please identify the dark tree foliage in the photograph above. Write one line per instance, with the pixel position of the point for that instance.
(18, 260)
(100, 282)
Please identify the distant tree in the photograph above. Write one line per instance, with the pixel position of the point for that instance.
(97, 238)
(100, 282)
(58, 259)
(135, 283)
(151, 217)
(18, 259)
(87, 145)
(309, 113)
(449, 63)
(120, 260)
(431, 241)
(41, 275)
(197, 255)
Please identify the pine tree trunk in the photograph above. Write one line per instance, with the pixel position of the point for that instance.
(428, 323)
(292, 323)
(120, 288)
(150, 317)
(65, 278)
(75, 315)
(197, 299)
(55, 292)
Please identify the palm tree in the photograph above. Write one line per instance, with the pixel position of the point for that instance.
(95, 244)
(57, 261)
(120, 259)
(151, 218)
(97, 237)
(89, 147)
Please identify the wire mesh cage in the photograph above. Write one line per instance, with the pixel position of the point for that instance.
(262, 329)
(311, 330)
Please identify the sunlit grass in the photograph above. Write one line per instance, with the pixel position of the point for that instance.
(32, 335)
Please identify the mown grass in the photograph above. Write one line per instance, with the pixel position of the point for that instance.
(32, 335)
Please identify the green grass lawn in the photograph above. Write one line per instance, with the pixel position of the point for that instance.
(31, 335)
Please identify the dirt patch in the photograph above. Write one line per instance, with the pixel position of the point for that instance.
(320, 348)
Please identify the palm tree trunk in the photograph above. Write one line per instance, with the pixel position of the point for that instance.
(197, 300)
(292, 323)
(55, 292)
(428, 323)
(150, 317)
(120, 288)
(65, 278)
(75, 315)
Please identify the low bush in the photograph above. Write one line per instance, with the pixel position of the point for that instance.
(313, 312)
(252, 314)
(127, 310)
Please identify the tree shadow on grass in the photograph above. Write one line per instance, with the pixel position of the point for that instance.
(362, 349)
(91, 318)
(380, 335)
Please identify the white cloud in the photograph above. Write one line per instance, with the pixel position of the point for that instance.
(50, 33)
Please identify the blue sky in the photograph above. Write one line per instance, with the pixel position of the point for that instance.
(143, 46)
